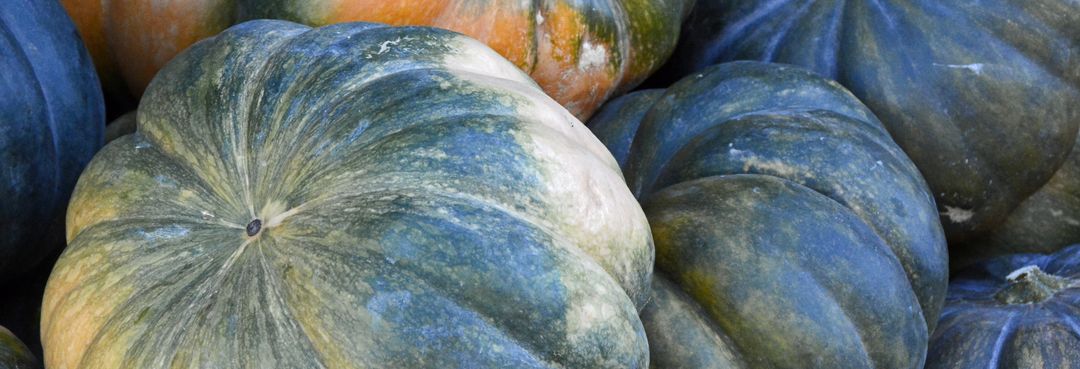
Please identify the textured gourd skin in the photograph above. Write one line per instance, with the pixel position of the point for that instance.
(51, 118)
(124, 125)
(580, 52)
(422, 205)
(977, 330)
(14, 354)
(1045, 222)
(781, 208)
(982, 95)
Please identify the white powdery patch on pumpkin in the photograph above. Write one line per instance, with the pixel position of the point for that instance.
(475, 57)
(976, 68)
(957, 215)
(592, 55)
(1016, 274)
(774, 167)
(169, 232)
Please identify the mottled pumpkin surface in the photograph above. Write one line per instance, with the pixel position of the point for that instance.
(793, 230)
(51, 118)
(580, 52)
(352, 196)
(14, 354)
(1045, 222)
(124, 125)
(981, 94)
(1012, 312)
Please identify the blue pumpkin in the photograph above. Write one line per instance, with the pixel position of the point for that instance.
(51, 123)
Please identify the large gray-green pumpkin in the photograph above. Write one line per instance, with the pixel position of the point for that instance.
(983, 95)
(14, 354)
(793, 231)
(1012, 312)
(352, 196)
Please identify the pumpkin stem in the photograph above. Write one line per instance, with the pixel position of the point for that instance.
(1030, 285)
(254, 227)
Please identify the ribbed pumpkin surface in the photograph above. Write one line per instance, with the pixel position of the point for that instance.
(51, 122)
(353, 196)
(793, 231)
(580, 52)
(1012, 312)
(981, 94)
(14, 354)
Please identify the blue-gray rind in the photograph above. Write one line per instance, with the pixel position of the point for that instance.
(51, 122)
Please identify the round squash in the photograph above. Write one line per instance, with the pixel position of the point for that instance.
(352, 196)
(581, 52)
(123, 125)
(793, 231)
(14, 354)
(982, 95)
(1045, 222)
(51, 122)
(1014, 311)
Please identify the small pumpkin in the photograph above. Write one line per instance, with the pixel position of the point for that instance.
(1013, 311)
(581, 52)
(51, 119)
(123, 125)
(982, 95)
(14, 354)
(793, 231)
(297, 197)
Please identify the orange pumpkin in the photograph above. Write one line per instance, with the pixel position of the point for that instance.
(580, 52)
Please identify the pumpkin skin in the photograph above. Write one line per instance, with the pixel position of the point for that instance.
(405, 189)
(581, 52)
(124, 125)
(980, 94)
(14, 354)
(51, 119)
(1001, 313)
(788, 219)
(1046, 222)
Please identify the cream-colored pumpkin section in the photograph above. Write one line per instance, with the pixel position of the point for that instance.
(582, 176)
(70, 331)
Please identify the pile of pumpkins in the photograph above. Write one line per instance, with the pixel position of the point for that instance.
(540, 184)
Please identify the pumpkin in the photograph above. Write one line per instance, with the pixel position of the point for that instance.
(793, 231)
(1013, 311)
(51, 119)
(123, 125)
(581, 52)
(1045, 222)
(13, 354)
(352, 196)
(981, 95)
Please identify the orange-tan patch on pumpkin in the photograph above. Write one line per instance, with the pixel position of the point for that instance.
(72, 316)
(145, 35)
(573, 67)
(505, 29)
(85, 212)
(398, 12)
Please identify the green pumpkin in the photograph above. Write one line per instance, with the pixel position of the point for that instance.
(1012, 312)
(122, 125)
(793, 230)
(14, 354)
(1045, 222)
(352, 196)
(981, 95)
